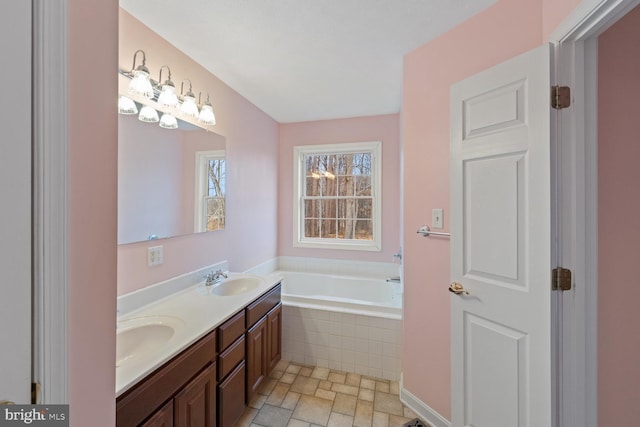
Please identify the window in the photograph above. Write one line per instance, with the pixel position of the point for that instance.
(337, 191)
(210, 189)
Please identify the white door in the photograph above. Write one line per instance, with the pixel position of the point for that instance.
(15, 193)
(501, 245)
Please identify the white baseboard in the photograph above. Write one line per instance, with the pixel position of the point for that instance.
(422, 410)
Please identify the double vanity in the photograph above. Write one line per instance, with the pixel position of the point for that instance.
(197, 356)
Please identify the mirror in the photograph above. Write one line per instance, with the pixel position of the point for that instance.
(171, 182)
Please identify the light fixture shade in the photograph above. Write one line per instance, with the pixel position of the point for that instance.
(126, 106)
(189, 107)
(148, 115)
(206, 116)
(168, 97)
(168, 121)
(140, 84)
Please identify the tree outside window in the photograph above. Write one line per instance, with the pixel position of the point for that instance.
(210, 190)
(338, 195)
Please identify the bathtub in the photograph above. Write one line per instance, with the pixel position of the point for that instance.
(347, 323)
(346, 294)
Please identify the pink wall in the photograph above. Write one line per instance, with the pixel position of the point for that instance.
(504, 30)
(553, 13)
(92, 189)
(619, 227)
(377, 128)
(252, 158)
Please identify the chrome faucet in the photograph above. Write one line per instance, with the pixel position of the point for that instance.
(215, 278)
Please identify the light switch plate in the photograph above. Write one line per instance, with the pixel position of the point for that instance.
(155, 256)
(437, 220)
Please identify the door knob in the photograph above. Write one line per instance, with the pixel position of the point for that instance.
(6, 402)
(457, 289)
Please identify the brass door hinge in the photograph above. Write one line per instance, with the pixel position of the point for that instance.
(560, 97)
(560, 279)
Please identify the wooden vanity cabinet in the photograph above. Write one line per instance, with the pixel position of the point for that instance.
(274, 336)
(264, 344)
(231, 370)
(162, 418)
(184, 385)
(210, 383)
(195, 405)
(231, 397)
(257, 344)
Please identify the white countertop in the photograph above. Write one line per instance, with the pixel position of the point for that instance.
(192, 312)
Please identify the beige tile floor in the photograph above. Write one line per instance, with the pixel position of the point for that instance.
(306, 396)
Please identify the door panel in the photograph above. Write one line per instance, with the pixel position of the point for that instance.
(493, 217)
(498, 358)
(501, 245)
(15, 191)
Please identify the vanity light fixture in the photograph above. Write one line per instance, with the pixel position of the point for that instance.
(148, 115)
(168, 121)
(189, 107)
(141, 82)
(167, 97)
(206, 116)
(164, 93)
(126, 106)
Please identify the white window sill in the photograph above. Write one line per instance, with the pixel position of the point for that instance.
(368, 245)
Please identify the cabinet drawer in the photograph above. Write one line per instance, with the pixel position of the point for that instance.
(229, 358)
(260, 307)
(231, 398)
(230, 331)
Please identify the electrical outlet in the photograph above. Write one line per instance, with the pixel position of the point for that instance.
(155, 256)
(437, 220)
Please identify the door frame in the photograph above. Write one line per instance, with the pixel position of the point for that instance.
(49, 195)
(576, 54)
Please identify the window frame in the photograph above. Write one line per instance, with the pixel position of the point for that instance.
(299, 153)
(201, 187)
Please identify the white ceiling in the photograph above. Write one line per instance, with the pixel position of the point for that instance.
(301, 60)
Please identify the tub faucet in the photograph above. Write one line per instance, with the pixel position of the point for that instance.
(214, 278)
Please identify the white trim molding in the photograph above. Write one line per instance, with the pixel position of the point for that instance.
(49, 124)
(576, 60)
(422, 410)
(201, 188)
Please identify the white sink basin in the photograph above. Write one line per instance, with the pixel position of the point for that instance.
(140, 336)
(236, 286)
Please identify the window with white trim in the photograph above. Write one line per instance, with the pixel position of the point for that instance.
(337, 192)
(210, 190)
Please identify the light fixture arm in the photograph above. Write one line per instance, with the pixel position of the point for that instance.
(189, 93)
(168, 81)
(142, 67)
(200, 99)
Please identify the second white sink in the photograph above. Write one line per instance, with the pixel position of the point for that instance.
(236, 286)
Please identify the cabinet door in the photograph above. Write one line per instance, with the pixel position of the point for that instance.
(195, 405)
(274, 332)
(162, 418)
(231, 397)
(257, 356)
